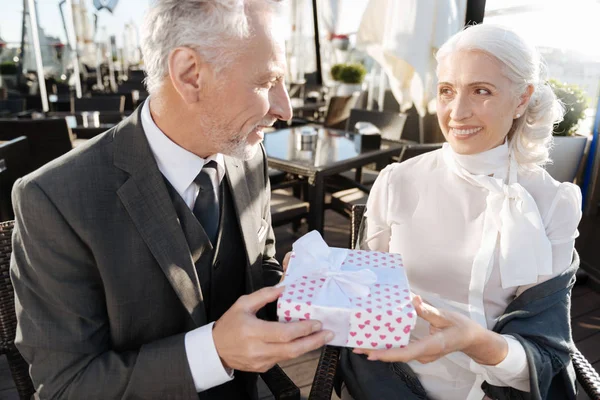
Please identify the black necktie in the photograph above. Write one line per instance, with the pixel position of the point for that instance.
(206, 207)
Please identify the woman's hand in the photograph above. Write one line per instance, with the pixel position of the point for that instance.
(449, 332)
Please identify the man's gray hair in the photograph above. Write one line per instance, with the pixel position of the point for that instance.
(211, 27)
(524, 66)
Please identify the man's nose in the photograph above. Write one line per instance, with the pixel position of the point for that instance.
(280, 103)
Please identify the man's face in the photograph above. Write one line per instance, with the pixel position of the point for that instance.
(248, 95)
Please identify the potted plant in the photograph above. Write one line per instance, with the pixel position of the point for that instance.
(569, 147)
(349, 76)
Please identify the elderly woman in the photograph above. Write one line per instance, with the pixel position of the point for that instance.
(487, 237)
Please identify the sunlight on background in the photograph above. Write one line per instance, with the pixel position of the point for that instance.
(566, 25)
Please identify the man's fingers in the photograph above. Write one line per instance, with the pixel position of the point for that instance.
(279, 332)
(296, 348)
(257, 300)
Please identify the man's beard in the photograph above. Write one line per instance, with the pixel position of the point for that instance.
(240, 148)
(235, 146)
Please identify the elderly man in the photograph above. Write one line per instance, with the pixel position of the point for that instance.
(126, 249)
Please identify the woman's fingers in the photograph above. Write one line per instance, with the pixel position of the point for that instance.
(437, 318)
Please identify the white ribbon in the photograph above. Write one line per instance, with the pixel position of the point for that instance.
(525, 250)
(315, 258)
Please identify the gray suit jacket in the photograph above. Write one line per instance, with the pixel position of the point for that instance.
(105, 281)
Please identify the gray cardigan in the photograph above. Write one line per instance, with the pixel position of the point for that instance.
(539, 319)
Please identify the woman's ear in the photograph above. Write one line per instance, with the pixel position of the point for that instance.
(524, 100)
(187, 71)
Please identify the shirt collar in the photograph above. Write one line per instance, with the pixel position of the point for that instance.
(490, 162)
(177, 164)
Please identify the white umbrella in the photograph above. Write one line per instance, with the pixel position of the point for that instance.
(403, 36)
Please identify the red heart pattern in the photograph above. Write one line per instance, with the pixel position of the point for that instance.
(387, 308)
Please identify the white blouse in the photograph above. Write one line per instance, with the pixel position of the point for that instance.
(439, 222)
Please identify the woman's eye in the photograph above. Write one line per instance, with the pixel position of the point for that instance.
(482, 91)
(445, 92)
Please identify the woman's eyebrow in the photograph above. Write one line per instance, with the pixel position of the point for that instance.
(470, 84)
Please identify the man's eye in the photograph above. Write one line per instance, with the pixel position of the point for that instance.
(269, 85)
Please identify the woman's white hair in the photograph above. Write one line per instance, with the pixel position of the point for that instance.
(531, 134)
(211, 27)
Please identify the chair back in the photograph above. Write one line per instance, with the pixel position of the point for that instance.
(129, 103)
(104, 103)
(14, 163)
(19, 368)
(296, 90)
(413, 150)
(48, 138)
(33, 103)
(411, 126)
(389, 102)
(12, 106)
(130, 86)
(390, 124)
(136, 75)
(356, 218)
(338, 110)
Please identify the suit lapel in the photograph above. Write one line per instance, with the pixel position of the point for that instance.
(147, 201)
(248, 213)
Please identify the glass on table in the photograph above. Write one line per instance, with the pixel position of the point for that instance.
(91, 119)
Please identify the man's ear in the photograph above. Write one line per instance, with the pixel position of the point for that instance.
(188, 73)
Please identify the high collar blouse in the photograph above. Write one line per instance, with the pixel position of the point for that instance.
(440, 222)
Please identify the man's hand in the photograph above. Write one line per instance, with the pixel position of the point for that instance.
(286, 261)
(284, 264)
(247, 343)
(449, 332)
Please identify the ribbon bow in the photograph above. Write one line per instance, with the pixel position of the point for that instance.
(525, 250)
(319, 260)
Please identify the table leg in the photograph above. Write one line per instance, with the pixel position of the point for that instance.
(358, 175)
(316, 195)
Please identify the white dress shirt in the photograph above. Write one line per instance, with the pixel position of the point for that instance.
(440, 222)
(181, 167)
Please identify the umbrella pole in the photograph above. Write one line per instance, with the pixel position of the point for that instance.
(382, 84)
(421, 130)
(317, 44)
(74, 48)
(111, 64)
(21, 62)
(38, 55)
(475, 11)
(371, 89)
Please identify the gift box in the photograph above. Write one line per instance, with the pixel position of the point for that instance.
(362, 296)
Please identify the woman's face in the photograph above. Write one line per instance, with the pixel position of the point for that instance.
(476, 103)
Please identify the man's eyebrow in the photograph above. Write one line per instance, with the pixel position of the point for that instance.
(274, 72)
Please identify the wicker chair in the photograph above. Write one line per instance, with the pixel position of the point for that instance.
(280, 385)
(8, 319)
(322, 387)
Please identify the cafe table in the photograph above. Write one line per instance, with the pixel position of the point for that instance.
(329, 153)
